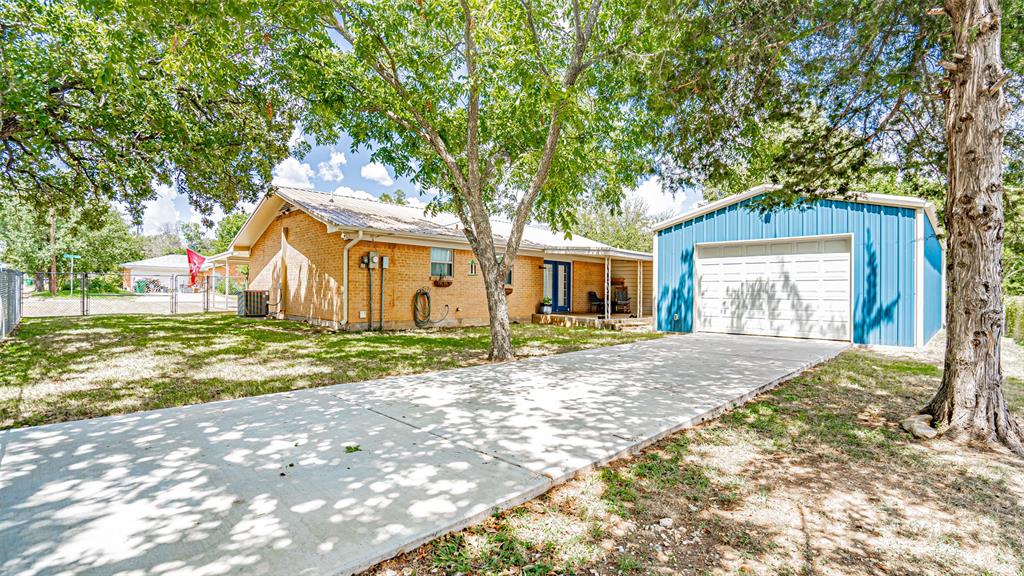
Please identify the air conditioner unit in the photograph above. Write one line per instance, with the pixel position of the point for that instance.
(254, 303)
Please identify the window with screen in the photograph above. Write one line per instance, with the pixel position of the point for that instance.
(441, 262)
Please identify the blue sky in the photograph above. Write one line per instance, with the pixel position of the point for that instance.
(336, 168)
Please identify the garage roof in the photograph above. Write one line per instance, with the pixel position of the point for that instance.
(859, 197)
(167, 261)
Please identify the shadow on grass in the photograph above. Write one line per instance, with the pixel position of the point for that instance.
(68, 368)
(815, 477)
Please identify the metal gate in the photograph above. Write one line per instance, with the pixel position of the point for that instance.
(96, 293)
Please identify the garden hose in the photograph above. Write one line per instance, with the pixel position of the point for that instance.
(421, 309)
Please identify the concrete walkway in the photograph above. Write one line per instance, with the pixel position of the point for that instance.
(333, 480)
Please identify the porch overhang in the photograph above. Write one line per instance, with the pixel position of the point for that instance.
(613, 253)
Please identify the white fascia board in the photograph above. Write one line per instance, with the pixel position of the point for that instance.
(247, 229)
(616, 253)
(716, 205)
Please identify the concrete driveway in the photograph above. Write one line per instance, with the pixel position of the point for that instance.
(333, 480)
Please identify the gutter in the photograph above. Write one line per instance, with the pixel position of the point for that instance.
(344, 276)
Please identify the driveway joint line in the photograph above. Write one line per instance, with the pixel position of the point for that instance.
(462, 443)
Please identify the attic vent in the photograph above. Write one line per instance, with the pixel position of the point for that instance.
(286, 208)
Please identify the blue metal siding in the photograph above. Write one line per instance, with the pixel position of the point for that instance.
(883, 260)
(932, 282)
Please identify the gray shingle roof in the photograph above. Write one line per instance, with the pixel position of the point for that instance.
(352, 212)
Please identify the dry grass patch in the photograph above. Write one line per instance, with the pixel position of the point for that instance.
(59, 369)
(814, 478)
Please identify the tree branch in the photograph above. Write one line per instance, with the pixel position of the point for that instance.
(389, 74)
(532, 23)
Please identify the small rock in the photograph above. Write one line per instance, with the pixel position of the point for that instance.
(920, 426)
(665, 522)
(390, 572)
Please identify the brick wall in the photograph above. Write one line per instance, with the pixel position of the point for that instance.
(586, 277)
(313, 264)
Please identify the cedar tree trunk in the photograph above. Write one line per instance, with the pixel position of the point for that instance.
(970, 404)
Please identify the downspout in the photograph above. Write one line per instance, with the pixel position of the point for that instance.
(344, 276)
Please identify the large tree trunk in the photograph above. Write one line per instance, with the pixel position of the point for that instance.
(497, 307)
(970, 404)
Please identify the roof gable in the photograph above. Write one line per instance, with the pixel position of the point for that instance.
(857, 198)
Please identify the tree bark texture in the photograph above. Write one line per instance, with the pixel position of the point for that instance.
(969, 404)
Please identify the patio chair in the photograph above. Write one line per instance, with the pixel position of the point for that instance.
(596, 304)
(621, 300)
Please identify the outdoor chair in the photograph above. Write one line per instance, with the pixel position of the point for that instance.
(621, 300)
(596, 304)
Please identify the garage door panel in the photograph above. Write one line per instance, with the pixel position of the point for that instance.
(782, 288)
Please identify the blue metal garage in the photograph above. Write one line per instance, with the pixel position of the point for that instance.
(868, 270)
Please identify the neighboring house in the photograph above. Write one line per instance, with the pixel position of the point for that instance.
(868, 270)
(306, 248)
(156, 274)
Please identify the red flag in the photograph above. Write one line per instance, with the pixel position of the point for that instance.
(195, 264)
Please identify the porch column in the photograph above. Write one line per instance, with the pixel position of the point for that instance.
(640, 288)
(226, 295)
(607, 287)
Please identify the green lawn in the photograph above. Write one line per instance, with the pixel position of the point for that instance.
(59, 369)
(813, 478)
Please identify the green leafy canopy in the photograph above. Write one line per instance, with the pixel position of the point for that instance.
(521, 54)
(100, 99)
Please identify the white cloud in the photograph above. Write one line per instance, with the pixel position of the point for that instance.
(160, 211)
(346, 191)
(662, 203)
(415, 202)
(217, 215)
(377, 172)
(330, 171)
(291, 172)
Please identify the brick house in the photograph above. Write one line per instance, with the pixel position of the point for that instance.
(307, 249)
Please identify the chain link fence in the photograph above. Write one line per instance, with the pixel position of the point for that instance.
(95, 293)
(10, 300)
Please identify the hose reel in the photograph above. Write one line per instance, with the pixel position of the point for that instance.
(421, 309)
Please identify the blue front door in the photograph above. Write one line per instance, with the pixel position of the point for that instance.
(558, 284)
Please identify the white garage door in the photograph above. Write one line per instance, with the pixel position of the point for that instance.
(797, 288)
